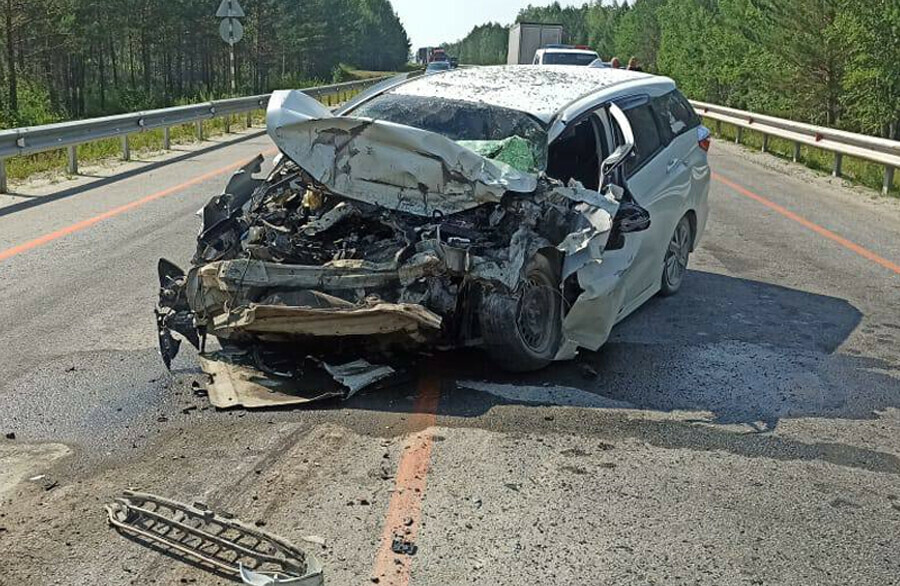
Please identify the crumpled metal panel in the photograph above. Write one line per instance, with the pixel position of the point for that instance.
(394, 166)
(233, 382)
(413, 320)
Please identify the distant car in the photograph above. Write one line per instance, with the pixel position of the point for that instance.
(565, 56)
(438, 67)
(454, 62)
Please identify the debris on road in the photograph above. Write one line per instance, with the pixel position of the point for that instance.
(220, 542)
(371, 238)
(11, 435)
(44, 481)
(401, 546)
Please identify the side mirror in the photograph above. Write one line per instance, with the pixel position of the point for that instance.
(620, 155)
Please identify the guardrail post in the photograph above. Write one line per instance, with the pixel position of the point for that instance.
(198, 126)
(796, 152)
(126, 148)
(228, 124)
(765, 143)
(737, 136)
(838, 161)
(250, 119)
(167, 139)
(886, 189)
(4, 187)
(72, 157)
(718, 128)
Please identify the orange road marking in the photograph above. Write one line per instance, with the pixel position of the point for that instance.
(84, 224)
(405, 509)
(852, 246)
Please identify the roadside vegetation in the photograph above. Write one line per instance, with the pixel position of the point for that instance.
(70, 59)
(66, 59)
(828, 62)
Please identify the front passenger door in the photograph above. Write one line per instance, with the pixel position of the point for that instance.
(660, 182)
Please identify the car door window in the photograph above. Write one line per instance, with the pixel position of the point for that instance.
(647, 139)
(676, 113)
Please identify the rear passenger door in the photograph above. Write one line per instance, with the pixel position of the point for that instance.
(659, 180)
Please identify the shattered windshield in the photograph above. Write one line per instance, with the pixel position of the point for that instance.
(470, 124)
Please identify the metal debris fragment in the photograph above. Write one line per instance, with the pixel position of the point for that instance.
(358, 374)
(219, 542)
(401, 546)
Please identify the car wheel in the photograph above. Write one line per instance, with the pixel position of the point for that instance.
(676, 260)
(522, 331)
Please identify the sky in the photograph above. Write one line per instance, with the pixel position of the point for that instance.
(432, 22)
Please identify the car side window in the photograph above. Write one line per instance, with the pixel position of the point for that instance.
(647, 139)
(677, 113)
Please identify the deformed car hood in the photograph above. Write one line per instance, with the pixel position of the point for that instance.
(387, 164)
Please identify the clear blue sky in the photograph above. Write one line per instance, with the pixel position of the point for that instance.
(431, 22)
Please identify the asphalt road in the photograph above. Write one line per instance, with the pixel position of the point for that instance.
(742, 432)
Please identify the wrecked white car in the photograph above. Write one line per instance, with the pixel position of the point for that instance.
(520, 210)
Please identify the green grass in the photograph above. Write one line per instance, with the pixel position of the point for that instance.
(140, 143)
(853, 169)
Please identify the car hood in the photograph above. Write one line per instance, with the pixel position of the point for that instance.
(387, 164)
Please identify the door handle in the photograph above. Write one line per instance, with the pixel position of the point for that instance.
(672, 164)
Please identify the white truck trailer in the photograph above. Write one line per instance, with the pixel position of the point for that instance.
(525, 38)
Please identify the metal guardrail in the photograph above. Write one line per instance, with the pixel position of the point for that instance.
(869, 148)
(19, 142)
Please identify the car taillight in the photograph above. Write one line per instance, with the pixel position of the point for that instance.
(703, 138)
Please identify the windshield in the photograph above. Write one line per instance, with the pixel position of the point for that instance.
(569, 58)
(459, 120)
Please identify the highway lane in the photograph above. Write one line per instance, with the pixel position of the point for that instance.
(744, 431)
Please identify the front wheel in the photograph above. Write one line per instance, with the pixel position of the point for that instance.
(676, 259)
(522, 331)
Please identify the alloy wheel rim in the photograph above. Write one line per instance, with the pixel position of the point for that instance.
(677, 254)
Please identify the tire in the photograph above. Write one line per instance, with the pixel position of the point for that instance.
(522, 331)
(676, 258)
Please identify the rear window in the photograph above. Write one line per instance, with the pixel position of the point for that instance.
(569, 58)
(676, 113)
(647, 141)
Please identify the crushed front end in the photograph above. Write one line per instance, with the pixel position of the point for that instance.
(368, 240)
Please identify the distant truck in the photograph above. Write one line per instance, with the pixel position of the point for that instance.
(525, 38)
(438, 55)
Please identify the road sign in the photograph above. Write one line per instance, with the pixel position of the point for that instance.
(230, 9)
(231, 30)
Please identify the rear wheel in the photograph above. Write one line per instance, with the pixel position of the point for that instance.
(522, 331)
(677, 255)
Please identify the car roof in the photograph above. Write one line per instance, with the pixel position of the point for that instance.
(540, 90)
(564, 50)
